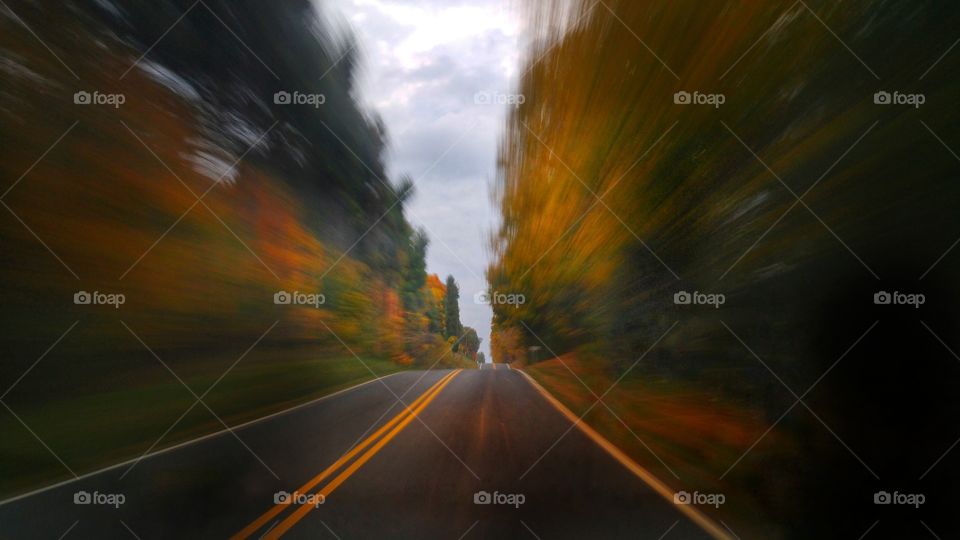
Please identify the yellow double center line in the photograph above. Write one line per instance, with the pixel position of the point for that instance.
(391, 428)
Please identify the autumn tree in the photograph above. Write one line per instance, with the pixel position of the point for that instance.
(435, 293)
(507, 345)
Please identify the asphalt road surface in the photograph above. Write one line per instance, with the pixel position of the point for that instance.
(383, 473)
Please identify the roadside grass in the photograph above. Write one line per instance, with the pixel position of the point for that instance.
(92, 424)
(684, 435)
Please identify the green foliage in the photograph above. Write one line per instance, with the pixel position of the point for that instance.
(331, 154)
(451, 306)
(470, 342)
(415, 274)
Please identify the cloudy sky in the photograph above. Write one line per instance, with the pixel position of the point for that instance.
(424, 64)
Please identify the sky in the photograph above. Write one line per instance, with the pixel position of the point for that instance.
(428, 67)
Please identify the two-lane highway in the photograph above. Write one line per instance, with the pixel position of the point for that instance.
(471, 454)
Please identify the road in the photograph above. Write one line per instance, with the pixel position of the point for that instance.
(407, 476)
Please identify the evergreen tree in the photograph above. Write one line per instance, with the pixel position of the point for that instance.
(470, 343)
(451, 306)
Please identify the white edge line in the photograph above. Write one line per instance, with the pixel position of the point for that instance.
(193, 441)
(659, 486)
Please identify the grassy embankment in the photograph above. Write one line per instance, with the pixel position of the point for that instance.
(695, 434)
(143, 403)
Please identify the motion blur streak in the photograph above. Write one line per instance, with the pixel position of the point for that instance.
(662, 149)
(198, 176)
(726, 242)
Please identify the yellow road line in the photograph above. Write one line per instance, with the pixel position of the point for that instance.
(252, 528)
(659, 486)
(291, 520)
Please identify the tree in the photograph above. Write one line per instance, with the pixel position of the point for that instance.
(507, 345)
(451, 308)
(415, 273)
(481, 359)
(435, 295)
(470, 343)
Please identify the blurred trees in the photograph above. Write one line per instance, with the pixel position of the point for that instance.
(213, 202)
(229, 59)
(295, 196)
(435, 311)
(469, 343)
(451, 304)
(613, 196)
(415, 272)
(507, 345)
(798, 199)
